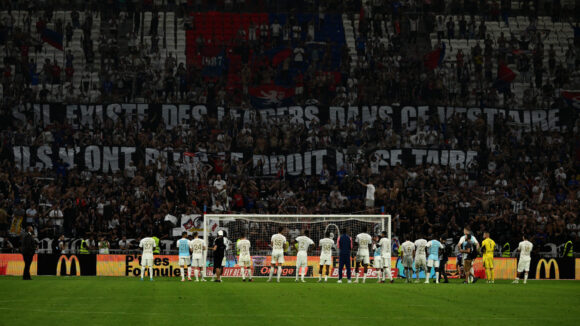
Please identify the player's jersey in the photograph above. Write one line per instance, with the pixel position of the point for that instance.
(433, 249)
(420, 245)
(489, 246)
(407, 248)
(244, 247)
(376, 250)
(196, 246)
(278, 242)
(148, 244)
(462, 240)
(303, 243)
(363, 240)
(525, 249)
(326, 245)
(183, 245)
(385, 244)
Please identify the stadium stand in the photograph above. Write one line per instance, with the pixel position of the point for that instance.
(258, 54)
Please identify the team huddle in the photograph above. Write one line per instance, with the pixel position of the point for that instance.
(417, 257)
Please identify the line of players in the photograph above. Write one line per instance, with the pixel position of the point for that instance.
(191, 253)
(380, 245)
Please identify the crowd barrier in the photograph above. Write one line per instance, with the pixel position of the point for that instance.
(167, 265)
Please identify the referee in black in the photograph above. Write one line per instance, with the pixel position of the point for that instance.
(28, 249)
(219, 248)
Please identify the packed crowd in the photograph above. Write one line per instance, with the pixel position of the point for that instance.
(521, 182)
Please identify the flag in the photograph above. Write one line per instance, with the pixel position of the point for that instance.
(270, 95)
(278, 55)
(53, 38)
(434, 58)
(572, 98)
(505, 74)
(504, 78)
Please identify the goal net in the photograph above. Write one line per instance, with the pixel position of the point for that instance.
(259, 228)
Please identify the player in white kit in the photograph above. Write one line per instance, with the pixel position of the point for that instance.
(385, 244)
(362, 255)
(148, 244)
(278, 246)
(184, 256)
(245, 260)
(421, 259)
(377, 259)
(197, 247)
(326, 246)
(525, 249)
(408, 248)
(304, 243)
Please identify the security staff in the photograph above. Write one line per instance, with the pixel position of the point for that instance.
(156, 250)
(568, 249)
(84, 247)
(28, 249)
(506, 252)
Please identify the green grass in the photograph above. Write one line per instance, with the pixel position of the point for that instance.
(128, 301)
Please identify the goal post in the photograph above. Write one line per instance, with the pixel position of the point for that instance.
(259, 228)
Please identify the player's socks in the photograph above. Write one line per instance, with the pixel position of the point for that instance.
(302, 275)
(142, 272)
(525, 278)
(189, 273)
(492, 273)
(364, 277)
(151, 272)
(182, 272)
(243, 274)
(436, 277)
(271, 273)
(379, 276)
(389, 273)
(196, 273)
(297, 273)
(279, 273)
(325, 278)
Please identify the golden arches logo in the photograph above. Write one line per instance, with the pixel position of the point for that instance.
(68, 264)
(547, 267)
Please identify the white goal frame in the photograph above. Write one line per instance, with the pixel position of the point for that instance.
(295, 218)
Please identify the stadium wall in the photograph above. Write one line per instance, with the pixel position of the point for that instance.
(13, 264)
(167, 265)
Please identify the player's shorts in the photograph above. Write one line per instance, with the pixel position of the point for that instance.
(218, 261)
(147, 261)
(524, 265)
(326, 260)
(184, 260)
(197, 262)
(420, 262)
(407, 261)
(301, 260)
(245, 261)
(386, 261)
(433, 263)
(488, 261)
(378, 262)
(277, 257)
(363, 257)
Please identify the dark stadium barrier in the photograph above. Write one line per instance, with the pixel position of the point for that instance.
(552, 268)
(13, 264)
(67, 265)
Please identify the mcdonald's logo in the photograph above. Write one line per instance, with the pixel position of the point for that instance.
(547, 267)
(68, 264)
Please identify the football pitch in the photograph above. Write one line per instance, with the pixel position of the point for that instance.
(128, 301)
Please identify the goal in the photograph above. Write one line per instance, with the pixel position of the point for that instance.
(259, 228)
